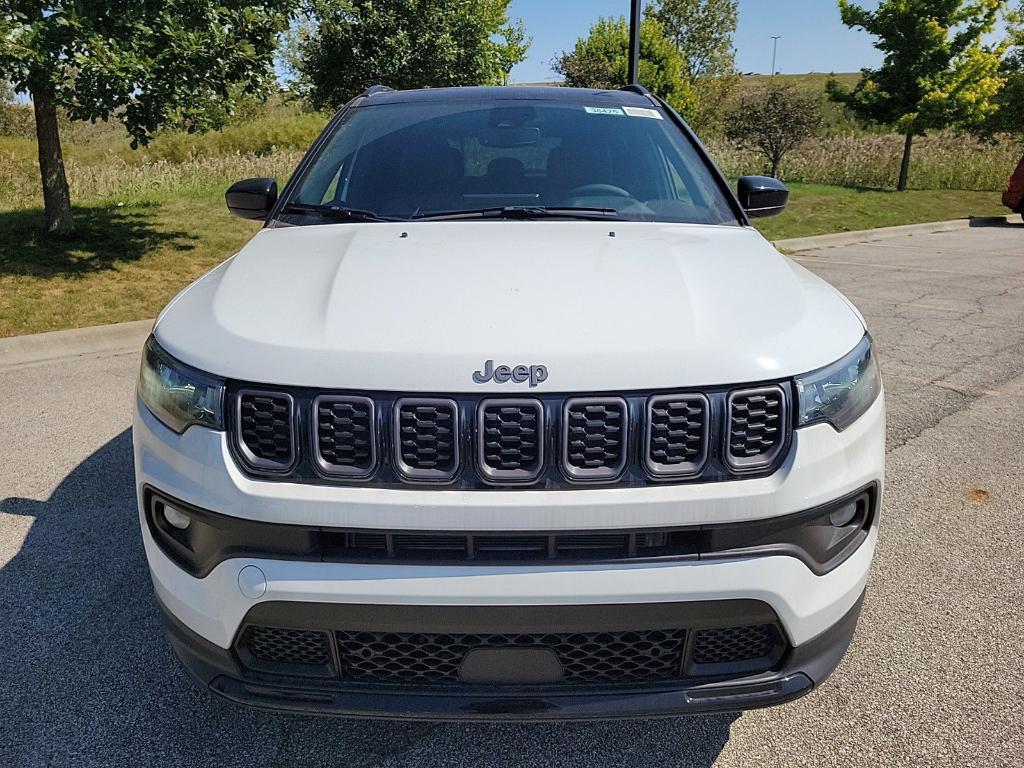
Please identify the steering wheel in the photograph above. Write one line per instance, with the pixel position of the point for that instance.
(599, 190)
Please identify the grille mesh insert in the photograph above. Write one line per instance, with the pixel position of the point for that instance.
(511, 439)
(287, 646)
(594, 437)
(677, 434)
(426, 437)
(757, 426)
(585, 656)
(265, 429)
(732, 644)
(344, 435)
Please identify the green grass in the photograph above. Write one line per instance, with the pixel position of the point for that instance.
(122, 263)
(126, 262)
(815, 209)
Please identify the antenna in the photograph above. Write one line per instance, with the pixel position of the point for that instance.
(634, 43)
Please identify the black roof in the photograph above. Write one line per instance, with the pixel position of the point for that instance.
(513, 92)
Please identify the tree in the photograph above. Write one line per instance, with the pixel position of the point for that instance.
(702, 31)
(774, 120)
(514, 48)
(937, 71)
(1009, 117)
(405, 44)
(148, 64)
(600, 60)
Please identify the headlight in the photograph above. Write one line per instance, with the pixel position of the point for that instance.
(840, 393)
(178, 395)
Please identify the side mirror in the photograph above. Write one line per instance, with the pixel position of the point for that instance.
(252, 198)
(762, 196)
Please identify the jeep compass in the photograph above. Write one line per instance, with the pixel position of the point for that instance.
(507, 411)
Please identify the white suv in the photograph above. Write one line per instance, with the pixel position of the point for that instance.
(508, 412)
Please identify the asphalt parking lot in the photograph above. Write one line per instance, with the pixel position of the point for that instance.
(935, 676)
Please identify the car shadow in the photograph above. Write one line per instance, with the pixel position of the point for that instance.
(88, 678)
(104, 237)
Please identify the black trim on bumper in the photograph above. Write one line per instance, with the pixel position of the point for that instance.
(809, 536)
(803, 668)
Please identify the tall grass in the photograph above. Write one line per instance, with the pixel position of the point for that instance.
(941, 161)
(117, 181)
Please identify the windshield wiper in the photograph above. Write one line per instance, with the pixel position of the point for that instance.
(335, 212)
(524, 212)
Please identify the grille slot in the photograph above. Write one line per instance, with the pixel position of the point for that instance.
(344, 435)
(510, 435)
(757, 427)
(266, 429)
(426, 434)
(594, 437)
(307, 652)
(677, 434)
(588, 657)
(736, 644)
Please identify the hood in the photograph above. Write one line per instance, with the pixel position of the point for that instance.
(420, 307)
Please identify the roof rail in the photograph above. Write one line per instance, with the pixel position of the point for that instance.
(376, 89)
(636, 88)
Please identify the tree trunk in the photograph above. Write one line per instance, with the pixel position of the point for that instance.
(56, 197)
(905, 166)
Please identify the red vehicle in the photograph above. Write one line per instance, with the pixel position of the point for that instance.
(1013, 198)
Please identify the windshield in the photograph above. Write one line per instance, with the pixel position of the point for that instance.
(541, 158)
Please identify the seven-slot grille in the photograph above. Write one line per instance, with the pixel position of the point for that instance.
(546, 441)
(511, 439)
(757, 427)
(266, 429)
(427, 438)
(677, 434)
(594, 437)
(346, 443)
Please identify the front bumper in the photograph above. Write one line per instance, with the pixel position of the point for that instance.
(815, 614)
(803, 668)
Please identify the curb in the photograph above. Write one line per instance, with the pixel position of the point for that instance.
(817, 242)
(97, 341)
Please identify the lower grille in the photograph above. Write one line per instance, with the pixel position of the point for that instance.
(734, 644)
(592, 657)
(434, 656)
(286, 646)
(369, 546)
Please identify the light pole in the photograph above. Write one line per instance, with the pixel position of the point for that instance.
(634, 42)
(775, 50)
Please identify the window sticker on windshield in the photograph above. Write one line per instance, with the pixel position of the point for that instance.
(643, 112)
(605, 111)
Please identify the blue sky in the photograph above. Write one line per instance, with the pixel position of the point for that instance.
(813, 38)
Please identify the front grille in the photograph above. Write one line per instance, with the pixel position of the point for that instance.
(368, 546)
(757, 427)
(735, 644)
(677, 434)
(344, 435)
(511, 439)
(427, 438)
(594, 437)
(545, 442)
(587, 657)
(266, 429)
(286, 646)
